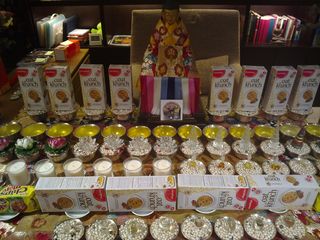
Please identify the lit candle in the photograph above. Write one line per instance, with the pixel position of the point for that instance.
(103, 167)
(45, 168)
(18, 173)
(133, 166)
(162, 166)
(73, 167)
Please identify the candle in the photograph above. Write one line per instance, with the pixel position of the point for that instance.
(161, 166)
(45, 168)
(18, 173)
(103, 167)
(73, 167)
(133, 166)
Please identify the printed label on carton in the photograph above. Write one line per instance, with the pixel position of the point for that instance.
(156, 193)
(59, 194)
(221, 90)
(278, 90)
(33, 88)
(212, 192)
(120, 87)
(93, 86)
(304, 89)
(251, 86)
(282, 192)
(60, 88)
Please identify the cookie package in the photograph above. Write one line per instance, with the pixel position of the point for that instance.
(278, 90)
(120, 87)
(33, 88)
(212, 192)
(220, 96)
(60, 88)
(296, 192)
(247, 98)
(60, 194)
(93, 86)
(156, 193)
(304, 89)
(15, 199)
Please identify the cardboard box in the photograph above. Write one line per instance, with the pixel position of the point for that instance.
(220, 97)
(120, 87)
(249, 90)
(304, 89)
(126, 194)
(282, 192)
(59, 194)
(93, 86)
(60, 88)
(278, 90)
(33, 88)
(212, 192)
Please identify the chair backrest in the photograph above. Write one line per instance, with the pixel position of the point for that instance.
(213, 32)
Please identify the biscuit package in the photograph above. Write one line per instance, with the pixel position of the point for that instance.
(249, 90)
(14, 199)
(277, 192)
(120, 87)
(60, 194)
(221, 90)
(278, 90)
(304, 89)
(156, 193)
(93, 86)
(33, 88)
(210, 192)
(60, 88)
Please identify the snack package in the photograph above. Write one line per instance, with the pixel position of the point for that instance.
(60, 194)
(297, 192)
(14, 199)
(126, 194)
(212, 192)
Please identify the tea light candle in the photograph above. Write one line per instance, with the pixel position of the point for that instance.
(133, 166)
(162, 166)
(73, 167)
(45, 168)
(103, 167)
(18, 173)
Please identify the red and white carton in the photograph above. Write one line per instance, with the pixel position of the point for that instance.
(210, 192)
(278, 90)
(155, 193)
(220, 97)
(60, 88)
(120, 87)
(93, 86)
(60, 194)
(304, 89)
(249, 90)
(276, 192)
(33, 88)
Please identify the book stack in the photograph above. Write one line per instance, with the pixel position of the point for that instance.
(273, 28)
(82, 35)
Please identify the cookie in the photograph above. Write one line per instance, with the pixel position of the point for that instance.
(282, 97)
(122, 94)
(308, 96)
(34, 96)
(63, 203)
(62, 96)
(133, 203)
(223, 96)
(252, 96)
(203, 201)
(291, 197)
(292, 180)
(94, 94)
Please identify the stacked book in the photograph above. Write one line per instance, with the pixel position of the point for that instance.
(82, 35)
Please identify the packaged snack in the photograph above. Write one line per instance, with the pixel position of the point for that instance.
(278, 90)
(60, 88)
(33, 88)
(59, 194)
(296, 192)
(304, 89)
(212, 192)
(14, 199)
(156, 193)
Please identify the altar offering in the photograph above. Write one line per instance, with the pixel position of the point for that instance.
(126, 194)
(28, 149)
(18, 173)
(73, 167)
(192, 148)
(102, 229)
(139, 131)
(228, 228)
(85, 149)
(69, 229)
(34, 130)
(272, 148)
(218, 148)
(59, 130)
(193, 167)
(244, 148)
(290, 227)
(164, 228)
(220, 167)
(312, 132)
(112, 147)
(263, 132)
(87, 130)
(288, 131)
(45, 168)
(272, 167)
(162, 166)
(115, 129)
(139, 147)
(133, 229)
(57, 148)
(196, 227)
(211, 131)
(59, 194)
(296, 192)
(165, 146)
(212, 192)
(259, 227)
(164, 131)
